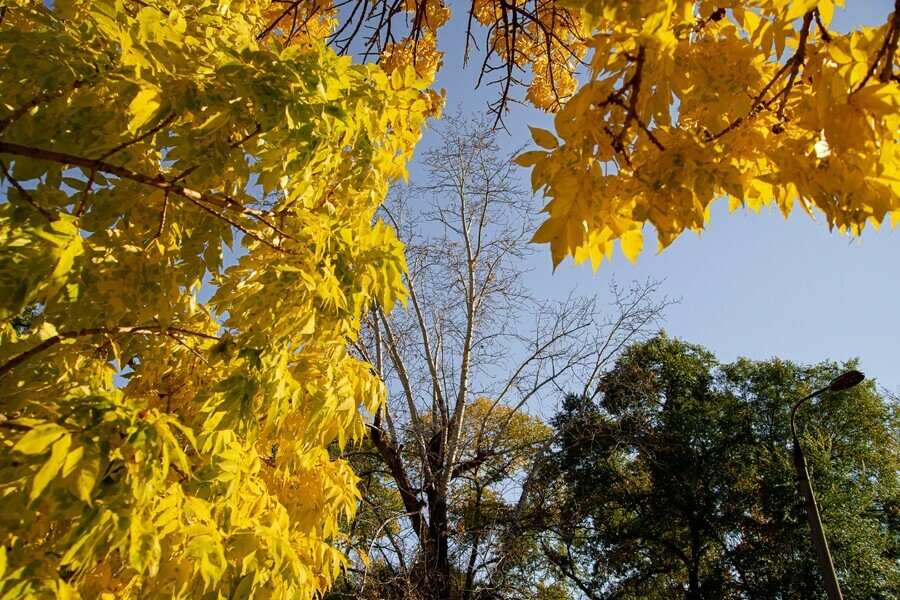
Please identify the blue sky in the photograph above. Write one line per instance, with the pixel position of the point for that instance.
(754, 285)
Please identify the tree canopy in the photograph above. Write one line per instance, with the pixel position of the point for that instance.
(687, 102)
(663, 106)
(678, 481)
(159, 440)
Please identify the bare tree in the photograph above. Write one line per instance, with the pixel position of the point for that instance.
(474, 353)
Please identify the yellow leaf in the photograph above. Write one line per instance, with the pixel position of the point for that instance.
(529, 159)
(72, 460)
(87, 474)
(826, 11)
(544, 138)
(50, 468)
(798, 8)
(143, 108)
(39, 438)
(632, 243)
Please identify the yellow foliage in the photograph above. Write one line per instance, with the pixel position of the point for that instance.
(693, 101)
(156, 441)
(159, 440)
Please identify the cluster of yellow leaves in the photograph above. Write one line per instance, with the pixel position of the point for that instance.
(504, 430)
(156, 440)
(418, 53)
(692, 101)
(298, 23)
(544, 34)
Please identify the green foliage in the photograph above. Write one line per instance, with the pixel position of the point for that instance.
(23, 321)
(680, 481)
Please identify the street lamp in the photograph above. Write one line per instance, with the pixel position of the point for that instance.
(832, 587)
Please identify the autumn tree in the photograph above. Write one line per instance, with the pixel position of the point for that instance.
(686, 102)
(473, 352)
(678, 481)
(157, 441)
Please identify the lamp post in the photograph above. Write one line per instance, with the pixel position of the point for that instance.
(820, 542)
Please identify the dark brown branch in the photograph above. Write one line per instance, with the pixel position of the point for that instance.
(889, 47)
(390, 455)
(631, 113)
(82, 205)
(469, 465)
(823, 31)
(793, 64)
(37, 100)
(28, 197)
(565, 567)
(69, 335)
(200, 199)
(893, 38)
(758, 103)
(266, 460)
(716, 16)
(797, 61)
(181, 176)
(265, 33)
(243, 229)
(162, 219)
(256, 130)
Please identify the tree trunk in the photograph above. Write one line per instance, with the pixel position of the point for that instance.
(438, 585)
(696, 555)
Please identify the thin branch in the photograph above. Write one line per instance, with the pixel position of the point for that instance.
(181, 176)
(894, 38)
(244, 230)
(191, 349)
(162, 220)
(823, 31)
(27, 196)
(758, 101)
(400, 366)
(69, 335)
(797, 60)
(159, 182)
(262, 36)
(420, 319)
(253, 133)
(38, 100)
(82, 205)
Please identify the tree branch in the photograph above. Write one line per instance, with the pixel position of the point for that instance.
(69, 335)
(200, 199)
(38, 100)
(797, 61)
(893, 38)
(26, 195)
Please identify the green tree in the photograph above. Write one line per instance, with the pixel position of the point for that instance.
(851, 442)
(679, 481)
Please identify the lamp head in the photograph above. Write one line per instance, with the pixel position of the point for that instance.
(845, 381)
